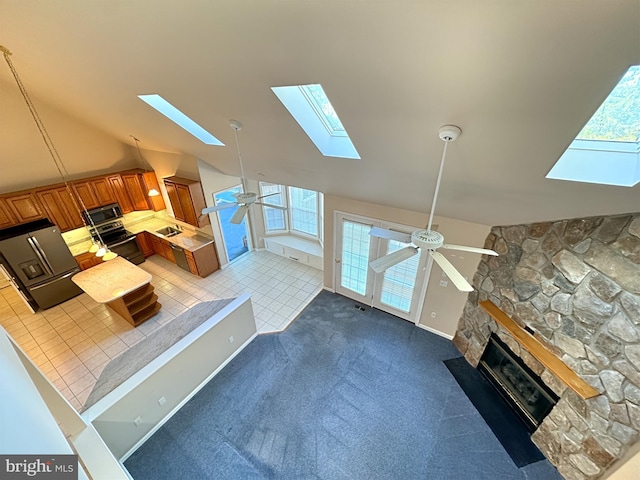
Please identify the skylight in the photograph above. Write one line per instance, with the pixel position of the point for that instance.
(607, 149)
(176, 116)
(311, 108)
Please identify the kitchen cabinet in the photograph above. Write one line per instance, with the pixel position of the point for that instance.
(102, 190)
(60, 208)
(120, 192)
(145, 244)
(187, 200)
(86, 194)
(24, 206)
(87, 260)
(6, 217)
(203, 261)
(133, 185)
(162, 247)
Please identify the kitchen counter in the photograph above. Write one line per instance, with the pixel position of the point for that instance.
(111, 279)
(188, 239)
(124, 287)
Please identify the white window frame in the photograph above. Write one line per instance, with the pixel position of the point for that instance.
(288, 221)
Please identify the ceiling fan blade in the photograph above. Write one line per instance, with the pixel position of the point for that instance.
(220, 206)
(270, 205)
(268, 195)
(393, 258)
(458, 280)
(239, 215)
(390, 234)
(470, 249)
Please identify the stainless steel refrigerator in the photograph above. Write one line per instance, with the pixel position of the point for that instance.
(39, 262)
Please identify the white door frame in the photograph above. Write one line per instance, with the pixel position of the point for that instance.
(378, 248)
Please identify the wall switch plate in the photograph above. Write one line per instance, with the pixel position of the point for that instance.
(162, 401)
(231, 339)
(137, 421)
(443, 283)
(433, 314)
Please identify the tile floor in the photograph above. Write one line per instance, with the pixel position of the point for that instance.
(72, 342)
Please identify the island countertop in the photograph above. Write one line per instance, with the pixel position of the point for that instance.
(111, 280)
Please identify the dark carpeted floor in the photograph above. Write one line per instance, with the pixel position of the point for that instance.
(341, 394)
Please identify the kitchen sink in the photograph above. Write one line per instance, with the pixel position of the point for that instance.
(168, 231)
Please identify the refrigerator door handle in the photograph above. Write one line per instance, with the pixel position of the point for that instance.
(73, 272)
(41, 255)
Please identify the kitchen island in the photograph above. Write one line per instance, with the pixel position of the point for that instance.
(123, 287)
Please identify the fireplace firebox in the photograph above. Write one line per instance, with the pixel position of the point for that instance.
(522, 389)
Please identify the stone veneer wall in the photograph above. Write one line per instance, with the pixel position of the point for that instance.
(577, 284)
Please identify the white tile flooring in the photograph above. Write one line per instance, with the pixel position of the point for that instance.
(72, 342)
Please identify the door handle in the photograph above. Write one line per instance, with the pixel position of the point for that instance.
(338, 260)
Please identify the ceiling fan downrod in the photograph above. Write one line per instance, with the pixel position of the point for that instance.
(447, 133)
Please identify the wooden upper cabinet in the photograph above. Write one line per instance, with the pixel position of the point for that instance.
(133, 184)
(120, 192)
(103, 191)
(6, 217)
(24, 207)
(187, 200)
(60, 208)
(85, 192)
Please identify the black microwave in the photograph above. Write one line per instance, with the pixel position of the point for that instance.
(96, 216)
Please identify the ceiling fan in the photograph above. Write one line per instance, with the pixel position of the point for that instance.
(244, 199)
(427, 239)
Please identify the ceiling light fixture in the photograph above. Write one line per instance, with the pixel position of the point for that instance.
(99, 248)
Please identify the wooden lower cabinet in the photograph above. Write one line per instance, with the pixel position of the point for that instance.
(144, 242)
(87, 260)
(204, 261)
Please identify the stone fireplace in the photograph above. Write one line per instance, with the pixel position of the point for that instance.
(575, 284)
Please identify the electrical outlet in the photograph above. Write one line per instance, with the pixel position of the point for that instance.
(162, 401)
(433, 314)
(137, 421)
(231, 339)
(443, 283)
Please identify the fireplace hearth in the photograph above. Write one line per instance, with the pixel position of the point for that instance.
(522, 389)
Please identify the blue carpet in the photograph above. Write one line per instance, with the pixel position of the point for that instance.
(341, 394)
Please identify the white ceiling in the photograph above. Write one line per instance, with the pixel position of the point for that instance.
(519, 77)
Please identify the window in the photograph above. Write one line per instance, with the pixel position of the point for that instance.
(311, 108)
(607, 149)
(303, 214)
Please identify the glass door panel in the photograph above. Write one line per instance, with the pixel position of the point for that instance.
(235, 236)
(398, 282)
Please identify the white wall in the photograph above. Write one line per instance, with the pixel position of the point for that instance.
(199, 354)
(447, 303)
(84, 149)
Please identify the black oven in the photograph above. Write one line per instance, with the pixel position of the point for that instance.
(128, 248)
(118, 240)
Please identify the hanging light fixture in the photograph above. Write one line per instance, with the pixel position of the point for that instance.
(100, 248)
(152, 192)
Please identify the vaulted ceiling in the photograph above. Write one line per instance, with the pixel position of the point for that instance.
(519, 77)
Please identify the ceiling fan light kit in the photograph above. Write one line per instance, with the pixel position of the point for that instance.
(427, 239)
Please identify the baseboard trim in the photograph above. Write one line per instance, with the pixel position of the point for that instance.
(437, 332)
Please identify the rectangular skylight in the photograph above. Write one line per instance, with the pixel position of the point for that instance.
(607, 149)
(311, 108)
(176, 116)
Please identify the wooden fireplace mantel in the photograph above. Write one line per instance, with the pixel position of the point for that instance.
(544, 356)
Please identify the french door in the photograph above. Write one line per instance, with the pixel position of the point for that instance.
(398, 290)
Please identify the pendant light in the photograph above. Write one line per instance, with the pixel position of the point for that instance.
(152, 192)
(99, 248)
